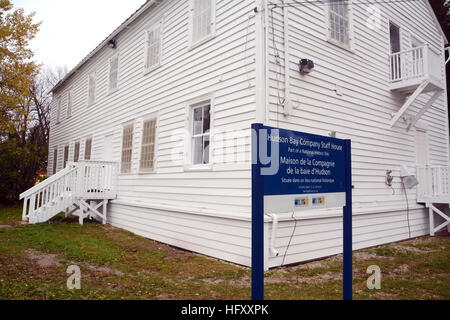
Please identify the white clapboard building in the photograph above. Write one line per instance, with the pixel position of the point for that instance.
(151, 131)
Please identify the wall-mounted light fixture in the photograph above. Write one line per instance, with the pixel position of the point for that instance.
(409, 180)
(389, 178)
(306, 66)
(112, 44)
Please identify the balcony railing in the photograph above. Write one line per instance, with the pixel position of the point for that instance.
(434, 184)
(411, 67)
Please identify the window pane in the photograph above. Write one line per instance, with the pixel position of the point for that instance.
(202, 18)
(154, 47)
(127, 148)
(206, 119)
(339, 23)
(198, 121)
(87, 150)
(76, 155)
(148, 145)
(197, 149)
(206, 145)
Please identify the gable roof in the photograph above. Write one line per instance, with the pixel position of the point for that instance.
(147, 5)
(105, 42)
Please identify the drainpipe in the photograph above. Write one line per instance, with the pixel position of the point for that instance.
(260, 62)
(287, 110)
(273, 252)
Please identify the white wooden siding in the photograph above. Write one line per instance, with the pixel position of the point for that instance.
(209, 211)
(222, 67)
(362, 113)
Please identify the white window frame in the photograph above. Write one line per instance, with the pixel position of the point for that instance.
(92, 99)
(155, 152)
(69, 103)
(212, 34)
(334, 41)
(110, 70)
(189, 153)
(124, 126)
(156, 26)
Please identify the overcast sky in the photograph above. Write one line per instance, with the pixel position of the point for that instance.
(71, 29)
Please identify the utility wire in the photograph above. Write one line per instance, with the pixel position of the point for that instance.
(407, 209)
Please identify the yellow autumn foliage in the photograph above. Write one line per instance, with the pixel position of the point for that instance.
(17, 69)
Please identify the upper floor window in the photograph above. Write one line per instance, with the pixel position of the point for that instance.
(113, 72)
(153, 47)
(201, 125)
(127, 149)
(88, 149)
(69, 103)
(148, 146)
(339, 22)
(202, 20)
(91, 92)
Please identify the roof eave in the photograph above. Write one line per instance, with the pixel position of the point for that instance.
(105, 42)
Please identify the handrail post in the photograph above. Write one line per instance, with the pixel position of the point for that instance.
(426, 60)
(24, 212)
(81, 177)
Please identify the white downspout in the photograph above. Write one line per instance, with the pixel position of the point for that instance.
(273, 252)
(287, 110)
(260, 62)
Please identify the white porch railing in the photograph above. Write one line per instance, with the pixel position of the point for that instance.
(434, 184)
(420, 63)
(88, 180)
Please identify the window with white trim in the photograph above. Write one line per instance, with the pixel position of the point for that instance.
(69, 103)
(147, 163)
(202, 20)
(55, 160)
(88, 149)
(339, 22)
(76, 152)
(127, 149)
(66, 156)
(91, 92)
(114, 72)
(153, 47)
(201, 125)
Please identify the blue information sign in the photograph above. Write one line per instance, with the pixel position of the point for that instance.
(294, 171)
(303, 163)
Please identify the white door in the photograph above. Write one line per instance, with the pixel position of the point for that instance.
(421, 148)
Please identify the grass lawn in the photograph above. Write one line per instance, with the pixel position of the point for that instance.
(116, 264)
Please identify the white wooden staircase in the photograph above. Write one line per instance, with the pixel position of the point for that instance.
(434, 190)
(80, 189)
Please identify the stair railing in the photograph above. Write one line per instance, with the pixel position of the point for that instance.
(48, 192)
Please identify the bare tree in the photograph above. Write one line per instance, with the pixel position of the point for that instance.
(41, 99)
